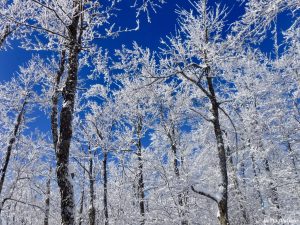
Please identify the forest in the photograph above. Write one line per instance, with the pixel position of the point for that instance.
(196, 123)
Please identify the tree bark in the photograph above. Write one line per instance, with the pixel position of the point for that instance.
(54, 99)
(80, 219)
(223, 204)
(141, 185)
(66, 118)
(11, 143)
(92, 211)
(105, 202)
(47, 200)
(273, 190)
(7, 31)
(62, 153)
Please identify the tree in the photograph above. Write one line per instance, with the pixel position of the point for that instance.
(69, 27)
(22, 88)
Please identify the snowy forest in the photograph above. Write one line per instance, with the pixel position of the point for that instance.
(199, 128)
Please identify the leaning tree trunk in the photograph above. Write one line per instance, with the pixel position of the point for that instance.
(65, 132)
(223, 203)
(10, 145)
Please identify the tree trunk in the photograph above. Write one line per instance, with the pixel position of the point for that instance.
(47, 200)
(11, 143)
(54, 99)
(223, 208)
(141, 185)
(66, 117)
(105, 202)
(180, 196)
(92, 211)
(261, 201)
(240, 196)
(273, 190)
(293, 158)
(62, 155)
(80, 220)
(7, 31)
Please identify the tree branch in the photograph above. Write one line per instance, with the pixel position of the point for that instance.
(205, 194)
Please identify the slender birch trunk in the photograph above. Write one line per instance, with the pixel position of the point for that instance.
(11, 142)
(47, 200)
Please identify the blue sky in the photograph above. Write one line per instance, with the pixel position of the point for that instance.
(149, 35)
(162, 23)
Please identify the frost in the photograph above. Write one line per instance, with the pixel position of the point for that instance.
(96, 90)
(211, 117)
(218, 213)
(66, 104)
(134, 139)
(218, 197)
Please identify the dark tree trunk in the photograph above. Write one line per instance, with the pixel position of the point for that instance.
(47, 200)
(223, 204)
(7, 31)
(273, 189)
(80, 220)
(62, 153)
(141, 185)
(11, 143)
(92, 211)
(66, 118)
(55, 97)
(176, 163)
(105, 202)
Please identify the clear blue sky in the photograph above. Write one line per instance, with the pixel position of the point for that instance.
(162, 24)
(149, 35)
